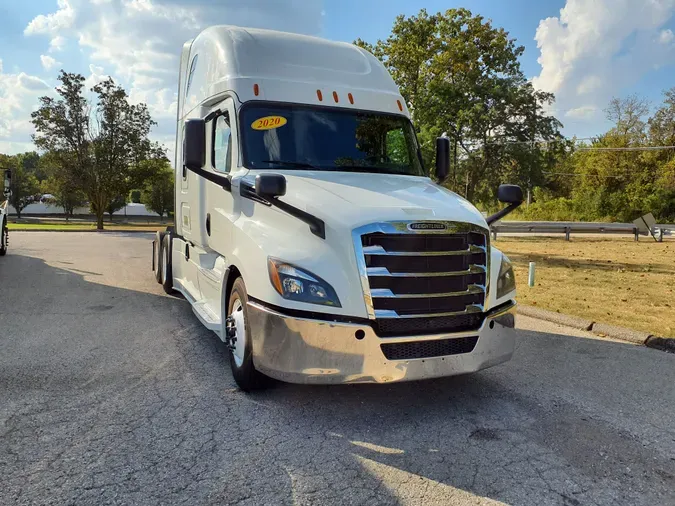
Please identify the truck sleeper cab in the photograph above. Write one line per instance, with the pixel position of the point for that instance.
(308, 235)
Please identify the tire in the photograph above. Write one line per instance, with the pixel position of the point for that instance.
(4, 238)
(166, 272)
(241, 360)
(157, 244)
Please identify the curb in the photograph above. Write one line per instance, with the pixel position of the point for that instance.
(602, 329)
(551, 316)
(632, 336)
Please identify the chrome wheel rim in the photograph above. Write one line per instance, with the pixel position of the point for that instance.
(239, 325)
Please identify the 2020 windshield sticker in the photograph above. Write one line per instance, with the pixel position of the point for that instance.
(268, 123)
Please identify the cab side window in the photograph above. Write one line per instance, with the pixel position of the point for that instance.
(222, 144)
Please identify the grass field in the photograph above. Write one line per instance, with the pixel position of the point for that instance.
(609, 280)
(86, 226)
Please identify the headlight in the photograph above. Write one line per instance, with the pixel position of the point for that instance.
(293, 283)
(506, 282)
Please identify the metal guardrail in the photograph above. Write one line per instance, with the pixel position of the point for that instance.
(577, 227)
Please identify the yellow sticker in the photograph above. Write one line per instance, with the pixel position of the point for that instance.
(268, 123)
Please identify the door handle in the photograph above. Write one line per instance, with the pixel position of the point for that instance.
(208, 224)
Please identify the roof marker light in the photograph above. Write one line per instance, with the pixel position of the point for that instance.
(335, 97)
(400, 107)
(319, 95)
(256, 90)
(351, 98)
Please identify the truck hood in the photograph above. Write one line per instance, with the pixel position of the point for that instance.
(354, 199)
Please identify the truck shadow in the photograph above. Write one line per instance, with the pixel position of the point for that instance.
(127, 394)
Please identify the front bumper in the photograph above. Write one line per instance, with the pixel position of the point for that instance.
(300, 350)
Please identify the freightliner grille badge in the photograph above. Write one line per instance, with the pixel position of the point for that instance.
(427, 226)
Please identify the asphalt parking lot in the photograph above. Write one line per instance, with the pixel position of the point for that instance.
(111, 392)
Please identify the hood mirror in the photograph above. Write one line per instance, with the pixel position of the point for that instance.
(270, 185)
(510, 194)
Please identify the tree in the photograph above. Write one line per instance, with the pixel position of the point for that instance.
(135, 196)
(61, 184)
(115, 205)
(158, 193)
(99, 142)
(628, 116)
(461, 75)
(24, 188)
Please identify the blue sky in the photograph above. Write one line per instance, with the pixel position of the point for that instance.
(584, 51)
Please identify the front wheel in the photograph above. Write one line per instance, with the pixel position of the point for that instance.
(4, 238)
(239, 345)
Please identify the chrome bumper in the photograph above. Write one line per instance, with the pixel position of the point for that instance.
(300, 350)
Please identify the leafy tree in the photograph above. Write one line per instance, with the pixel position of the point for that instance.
(61, 184)
(24, 188)
(30, 161)
(158, 193)
(99, 142)
(115, 205)
(628, 116)
(461, 75)
(135, 196)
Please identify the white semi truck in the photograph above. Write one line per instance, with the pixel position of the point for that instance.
(308, 235)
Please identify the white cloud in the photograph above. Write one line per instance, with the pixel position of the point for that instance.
(48, 62)
(666, 36)
(57, 44)
(52, 23)
(589, 85)
(18, 95)
(139, 41)
(96, 75)
(583, 112)
(596, 48)
(31, 83)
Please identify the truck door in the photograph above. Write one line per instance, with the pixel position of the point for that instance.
(216, 209)
(223, 159)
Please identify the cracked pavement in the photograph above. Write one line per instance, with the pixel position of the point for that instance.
(112, 392)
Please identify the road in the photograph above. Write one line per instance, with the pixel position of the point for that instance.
(112, 393)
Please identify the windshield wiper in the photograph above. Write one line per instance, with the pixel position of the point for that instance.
(298, 165)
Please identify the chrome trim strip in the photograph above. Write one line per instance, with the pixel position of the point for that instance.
(384, 272)
(388, 294)
(388, 313)
(510, 307)
(401, 227)
(379, 250)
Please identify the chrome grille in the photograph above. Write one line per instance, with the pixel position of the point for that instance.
(437, 275)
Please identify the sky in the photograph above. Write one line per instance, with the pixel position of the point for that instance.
(584, 51)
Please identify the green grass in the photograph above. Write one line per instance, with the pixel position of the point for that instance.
(86, 226)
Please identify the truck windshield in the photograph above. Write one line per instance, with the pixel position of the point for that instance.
(318, 138)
